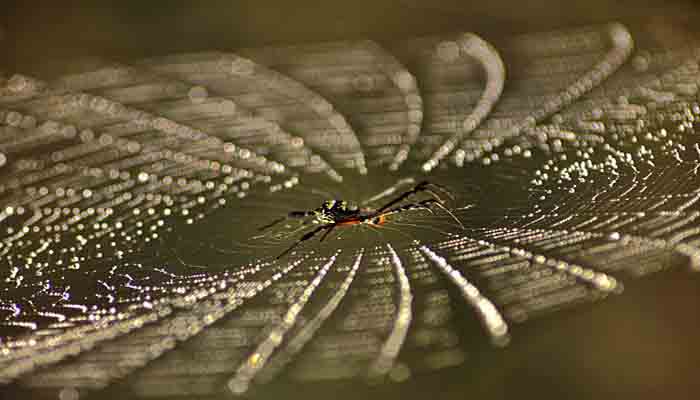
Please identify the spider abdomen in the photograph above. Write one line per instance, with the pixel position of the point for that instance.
(379, 220)
(352, 221)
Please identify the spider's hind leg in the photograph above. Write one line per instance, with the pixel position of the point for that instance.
(425, 204)
(427, 186)
(424, 186)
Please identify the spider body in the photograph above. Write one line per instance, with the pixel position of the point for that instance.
(341, 212)
(333, 213)
(336, 210)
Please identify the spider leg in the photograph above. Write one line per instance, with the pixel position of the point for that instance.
(389, 191)
(412, 206)
(308, 235)
(293, 214)
(423, 186)
(451, 214)
(327, 232)
(445, 191)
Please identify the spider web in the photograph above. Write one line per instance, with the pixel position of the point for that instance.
(133, 193)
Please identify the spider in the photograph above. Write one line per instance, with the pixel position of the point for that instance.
(334, 213)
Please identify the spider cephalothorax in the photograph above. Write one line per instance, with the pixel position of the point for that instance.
(334, 210)
(334, 213)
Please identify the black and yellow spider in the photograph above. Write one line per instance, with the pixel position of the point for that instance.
(333, 213)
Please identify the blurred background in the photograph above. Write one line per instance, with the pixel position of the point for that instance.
(35, 30)
(640, 345)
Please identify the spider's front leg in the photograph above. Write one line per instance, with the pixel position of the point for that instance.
(291, 215)
(307, 236)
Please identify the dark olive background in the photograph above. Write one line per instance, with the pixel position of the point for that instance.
(644, 344)
(37, 30)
